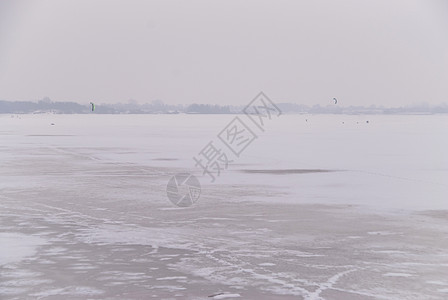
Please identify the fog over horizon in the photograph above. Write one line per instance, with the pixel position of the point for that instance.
(385, 53)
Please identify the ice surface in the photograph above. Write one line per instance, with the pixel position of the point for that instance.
(310, 210)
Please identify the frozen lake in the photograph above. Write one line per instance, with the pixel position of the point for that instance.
(316, 207)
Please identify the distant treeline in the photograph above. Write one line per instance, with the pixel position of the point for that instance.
(158, 107)
(24, 107)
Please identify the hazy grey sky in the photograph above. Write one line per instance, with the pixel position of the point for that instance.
(385, 52)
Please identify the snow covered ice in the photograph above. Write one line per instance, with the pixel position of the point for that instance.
(328, 208)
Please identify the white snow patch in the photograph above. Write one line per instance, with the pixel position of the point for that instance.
(171, 278)
(389, 251)
(12, 290)
(226, 296)
(71, 290)
(17, 246)
(169, 287)
(436, 282)
(397, 275)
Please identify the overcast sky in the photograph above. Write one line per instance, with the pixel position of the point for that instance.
(384, 52)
